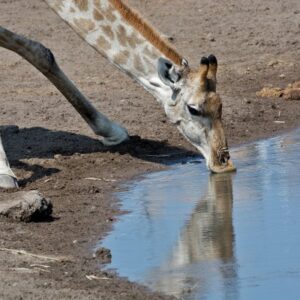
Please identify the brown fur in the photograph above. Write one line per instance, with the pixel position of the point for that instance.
(121, 58)
(109, 14)
(84, 24)
(108, 31)
(134, 19)
(138, 64)
(57, 5)
(212, 77)
(133, 40)
(203, 71)
(103, 43)
(97, 15)
(121, 35)
(82, 4)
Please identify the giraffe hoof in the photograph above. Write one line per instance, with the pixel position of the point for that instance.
(7, 182)
(120, 136)
(114, 140)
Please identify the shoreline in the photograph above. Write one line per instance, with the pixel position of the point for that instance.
(55, 152)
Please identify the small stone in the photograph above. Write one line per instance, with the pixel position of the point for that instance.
(168, 37)
(25, 206)
(93, 209)
(171, 38)
(281, 76)
(273, 63)
(210, 37)
(270, 92)
(104, 255)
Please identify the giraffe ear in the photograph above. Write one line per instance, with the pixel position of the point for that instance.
(167, 72)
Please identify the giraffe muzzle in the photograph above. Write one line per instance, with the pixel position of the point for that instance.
(225, 164)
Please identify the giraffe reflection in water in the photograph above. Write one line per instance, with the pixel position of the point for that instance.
(218, 237)
(204, 251)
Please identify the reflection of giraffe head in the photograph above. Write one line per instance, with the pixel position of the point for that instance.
(197, 109)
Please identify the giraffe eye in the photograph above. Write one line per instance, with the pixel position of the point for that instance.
(193, 111)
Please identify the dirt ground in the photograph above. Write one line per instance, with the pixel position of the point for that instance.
(257, 44)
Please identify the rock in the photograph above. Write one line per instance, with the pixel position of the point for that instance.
(291, 92)
(210, 37)
(270, 92)
(104, 255)
(273, 106)
(273, 63)
(25, 206)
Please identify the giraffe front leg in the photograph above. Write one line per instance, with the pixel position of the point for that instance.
(43, 59)
(7, 177)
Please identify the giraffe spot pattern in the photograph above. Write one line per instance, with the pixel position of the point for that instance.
(151, 53)
(97, 4)
(83, 5)
(102, 43)
(105, 28)
(109, 14)
(133, 40)
(137, 63)
(97, 15)
(121, 58)
(121, 35)
(84, 24)
(108, 31)
(58, 5)
(150, 65)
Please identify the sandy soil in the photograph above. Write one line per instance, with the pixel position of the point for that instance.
(257, 44)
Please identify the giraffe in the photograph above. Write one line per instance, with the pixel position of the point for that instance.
(124, 38)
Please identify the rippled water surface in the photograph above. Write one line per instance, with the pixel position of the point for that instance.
(201, 236)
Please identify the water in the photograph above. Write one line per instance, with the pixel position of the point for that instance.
(201, 236)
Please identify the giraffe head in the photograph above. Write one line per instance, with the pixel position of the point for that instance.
(196, 109)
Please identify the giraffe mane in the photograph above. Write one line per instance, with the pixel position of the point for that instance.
(133, 18)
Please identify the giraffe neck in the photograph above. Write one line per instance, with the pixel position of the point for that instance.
(122, 36)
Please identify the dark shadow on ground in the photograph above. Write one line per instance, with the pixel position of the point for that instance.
(38, 142)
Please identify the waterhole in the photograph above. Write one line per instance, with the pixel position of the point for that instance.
(200, 236)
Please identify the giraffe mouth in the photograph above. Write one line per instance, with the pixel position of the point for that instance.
(224, 164)
(226, 168)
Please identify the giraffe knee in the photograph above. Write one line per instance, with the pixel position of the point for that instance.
(44, 58)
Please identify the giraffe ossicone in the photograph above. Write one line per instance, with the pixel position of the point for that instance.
(122, 36)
